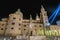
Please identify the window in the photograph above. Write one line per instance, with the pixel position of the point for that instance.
(35, 25)
(2, 24)
(39, 25)
(13, 23)
(19, 18)
(12, 28)
(1, 28)
(24, 29)
(14, 18)
(5, 28)
(19, 24)
(19, 28)
(24, 25)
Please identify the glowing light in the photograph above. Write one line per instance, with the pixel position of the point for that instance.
(54, 12)
(55, 15)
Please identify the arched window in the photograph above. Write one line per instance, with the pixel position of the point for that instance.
(24, 25)
(14, 17)
(19, 24)
(13, 23)
(1, 28)
(12, 28)
(24, 29)
(39, 25)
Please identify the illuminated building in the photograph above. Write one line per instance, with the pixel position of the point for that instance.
(15, 25)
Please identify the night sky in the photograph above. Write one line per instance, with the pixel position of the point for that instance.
(28, 7)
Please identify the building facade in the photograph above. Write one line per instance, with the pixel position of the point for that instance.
(15, 25)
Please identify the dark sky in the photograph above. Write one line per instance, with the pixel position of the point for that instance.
(28, 7)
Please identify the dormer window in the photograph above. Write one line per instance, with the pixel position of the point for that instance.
(19, 18)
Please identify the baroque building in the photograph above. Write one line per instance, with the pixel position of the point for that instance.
(15, 25)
